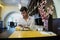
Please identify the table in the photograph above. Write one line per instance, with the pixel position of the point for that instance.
(28, 34)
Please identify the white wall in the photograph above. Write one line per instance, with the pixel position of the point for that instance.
(57, 7)
(8, 9)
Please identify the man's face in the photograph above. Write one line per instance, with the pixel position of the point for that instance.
(24, 13)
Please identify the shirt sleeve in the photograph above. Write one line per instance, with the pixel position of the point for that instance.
(32, 25)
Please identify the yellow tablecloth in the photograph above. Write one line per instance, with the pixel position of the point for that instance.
(28, 34)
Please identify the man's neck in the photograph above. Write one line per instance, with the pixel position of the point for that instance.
(26, 18)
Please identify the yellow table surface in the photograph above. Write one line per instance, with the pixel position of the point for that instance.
(28, 34)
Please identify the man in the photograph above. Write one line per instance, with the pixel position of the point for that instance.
(27, 21)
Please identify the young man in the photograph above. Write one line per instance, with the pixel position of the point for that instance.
(27, 21)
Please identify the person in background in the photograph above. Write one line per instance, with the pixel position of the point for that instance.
(27, 21)
(43, 13)
(50, 19)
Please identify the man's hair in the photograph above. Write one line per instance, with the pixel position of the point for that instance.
(23, 9)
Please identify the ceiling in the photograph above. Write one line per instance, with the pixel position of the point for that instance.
(16, 2)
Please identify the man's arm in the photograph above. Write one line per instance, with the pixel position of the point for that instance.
(24, 28)
(31, 26)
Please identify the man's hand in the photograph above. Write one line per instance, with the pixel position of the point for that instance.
(27, 28)
(24, 27)
(21, 25)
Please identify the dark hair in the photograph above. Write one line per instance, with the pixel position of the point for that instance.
(23, 8)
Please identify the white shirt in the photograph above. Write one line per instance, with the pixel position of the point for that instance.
(29, 23)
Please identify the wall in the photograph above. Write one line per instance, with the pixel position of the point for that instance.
(8, 9)
(0, 13)
(57, 7)
(1, 6)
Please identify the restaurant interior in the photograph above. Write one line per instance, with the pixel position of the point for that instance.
(10, 15)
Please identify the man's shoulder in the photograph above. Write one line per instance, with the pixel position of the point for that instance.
(31, 17)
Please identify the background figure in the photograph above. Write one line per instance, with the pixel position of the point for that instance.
(43, 14)
(50, 19)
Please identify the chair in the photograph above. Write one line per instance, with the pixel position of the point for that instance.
(11, 24)
(56, 25)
